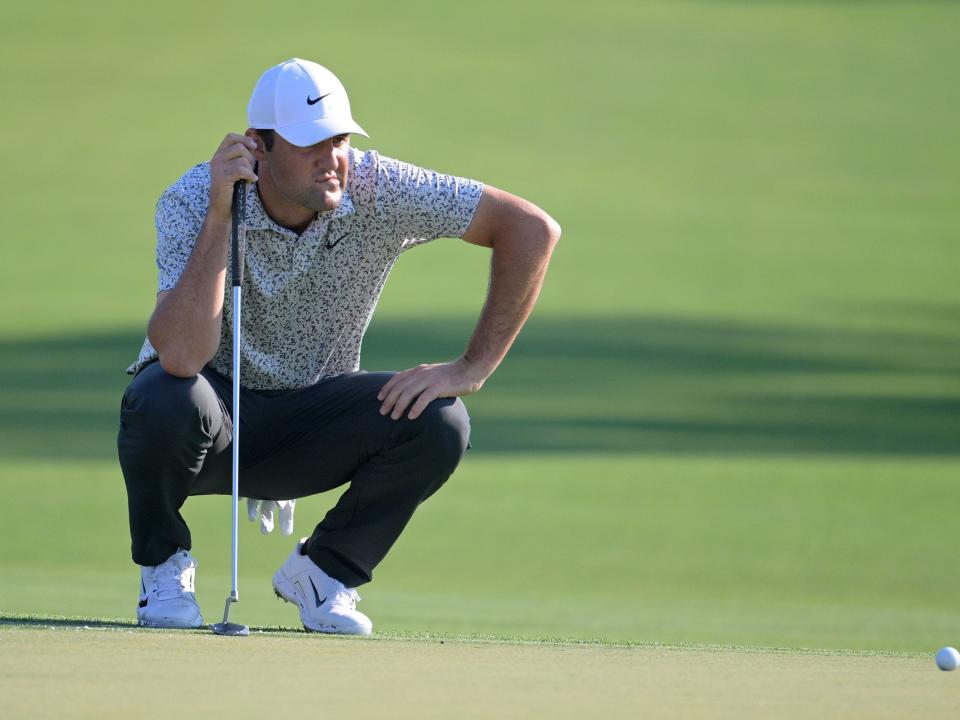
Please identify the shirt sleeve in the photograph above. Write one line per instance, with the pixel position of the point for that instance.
(178, 226)
(423, 204)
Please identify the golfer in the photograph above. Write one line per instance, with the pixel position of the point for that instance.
(324, 225)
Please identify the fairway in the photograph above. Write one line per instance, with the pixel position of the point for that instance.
(716, 475)
(283, 673)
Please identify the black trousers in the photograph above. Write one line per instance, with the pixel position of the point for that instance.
(175, 441)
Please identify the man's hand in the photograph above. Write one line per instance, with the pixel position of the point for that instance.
(232, 161)
(425, 383)
(264, 510)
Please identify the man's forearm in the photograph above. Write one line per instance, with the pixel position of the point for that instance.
(517, 270)
(185, 326)
(522, 237)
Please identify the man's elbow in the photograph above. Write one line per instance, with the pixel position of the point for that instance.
(553, 230)
(547, 229)
(180, 366)
(179, 357)
(181, 360)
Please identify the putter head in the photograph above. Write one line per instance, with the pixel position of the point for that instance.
(229, 628)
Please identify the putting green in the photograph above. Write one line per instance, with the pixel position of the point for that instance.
(123, 672)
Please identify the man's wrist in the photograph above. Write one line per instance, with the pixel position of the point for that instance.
(218, 218)
(479, 369)
(216, 227)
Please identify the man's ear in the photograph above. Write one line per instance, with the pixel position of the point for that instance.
(260, 153)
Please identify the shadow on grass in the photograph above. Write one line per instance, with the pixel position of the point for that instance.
(639, 384)
(61, 623)
(53, 621)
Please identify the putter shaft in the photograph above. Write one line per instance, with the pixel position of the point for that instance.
(237, 248)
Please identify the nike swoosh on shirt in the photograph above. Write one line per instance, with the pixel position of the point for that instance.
(331, 245)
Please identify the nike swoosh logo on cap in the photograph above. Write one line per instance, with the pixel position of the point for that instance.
(314, 102)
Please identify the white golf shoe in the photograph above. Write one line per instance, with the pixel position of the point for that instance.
(326, 605)
(167, 597)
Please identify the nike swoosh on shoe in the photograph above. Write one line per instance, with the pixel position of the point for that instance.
(316, 595)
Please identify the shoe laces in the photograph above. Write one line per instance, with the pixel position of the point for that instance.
(347, 596)
(171, 579)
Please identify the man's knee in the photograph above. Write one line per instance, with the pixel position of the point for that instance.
(163, 405)
(448, 429)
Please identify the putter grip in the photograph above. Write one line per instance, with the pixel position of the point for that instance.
(238, 247)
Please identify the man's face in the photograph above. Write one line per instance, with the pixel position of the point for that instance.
(312, 177)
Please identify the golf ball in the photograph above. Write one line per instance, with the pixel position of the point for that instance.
(948, 658)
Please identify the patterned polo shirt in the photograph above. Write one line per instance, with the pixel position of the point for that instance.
(308, 299)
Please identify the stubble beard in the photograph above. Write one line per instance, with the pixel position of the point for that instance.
(319, 199)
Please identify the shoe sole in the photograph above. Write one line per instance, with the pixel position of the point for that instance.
(192, 625)
(284, 590)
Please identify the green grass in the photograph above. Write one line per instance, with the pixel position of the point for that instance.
(31, 622)
(830, 553)
(734, 418)
(122, 672)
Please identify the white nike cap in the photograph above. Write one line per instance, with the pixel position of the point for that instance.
(304, 102)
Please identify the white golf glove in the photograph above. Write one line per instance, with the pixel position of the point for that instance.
(265, 509)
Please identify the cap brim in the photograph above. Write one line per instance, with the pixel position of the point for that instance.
(310, 133)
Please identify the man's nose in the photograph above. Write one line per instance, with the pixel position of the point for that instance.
(326, 156)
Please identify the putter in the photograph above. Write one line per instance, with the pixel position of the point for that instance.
(238, 247)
